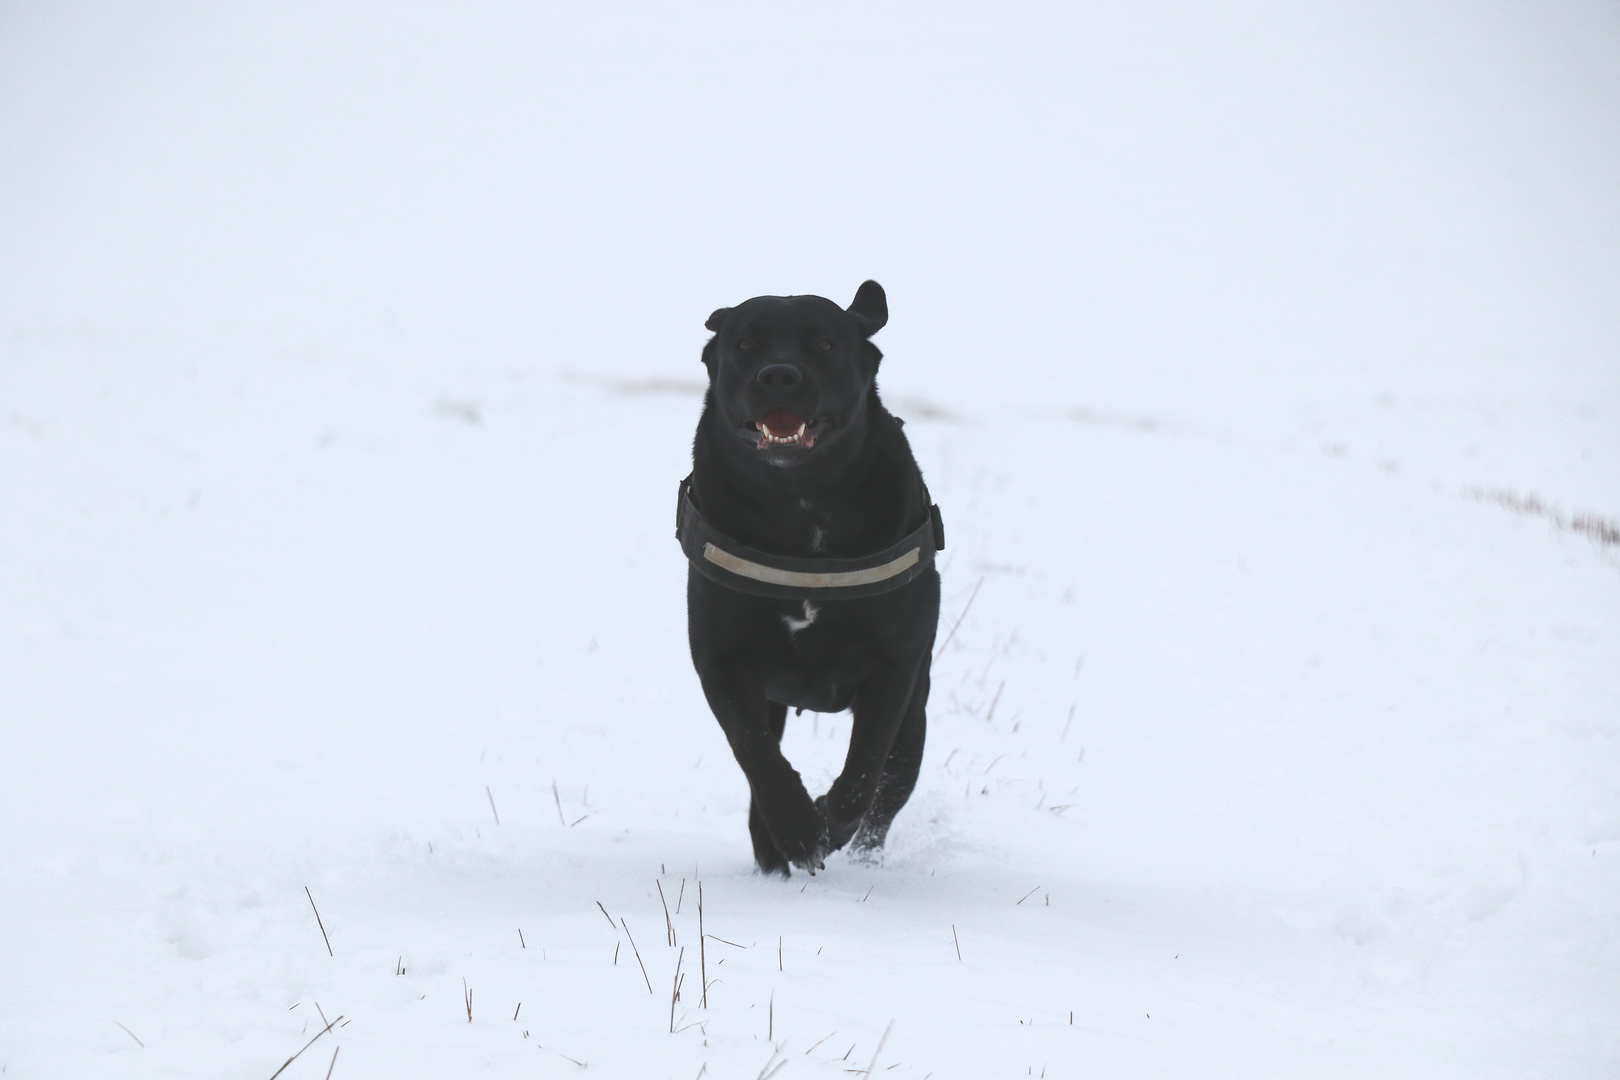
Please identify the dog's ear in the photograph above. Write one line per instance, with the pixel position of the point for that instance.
(719, 317)
(870, 308)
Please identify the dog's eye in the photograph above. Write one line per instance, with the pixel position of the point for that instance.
(824, 345)
(745, 343)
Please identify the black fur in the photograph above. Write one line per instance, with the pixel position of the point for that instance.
(855, 491)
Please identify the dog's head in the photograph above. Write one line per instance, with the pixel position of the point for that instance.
(790, 376)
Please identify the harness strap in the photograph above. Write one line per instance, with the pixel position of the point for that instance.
(746, 570)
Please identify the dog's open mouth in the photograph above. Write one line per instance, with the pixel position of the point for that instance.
(779, 427)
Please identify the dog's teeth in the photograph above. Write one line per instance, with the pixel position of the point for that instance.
(768, 437)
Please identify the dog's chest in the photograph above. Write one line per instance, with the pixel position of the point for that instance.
(817, 639)
(796, 624)
(818, 659)
(836, 530)
(817, 525)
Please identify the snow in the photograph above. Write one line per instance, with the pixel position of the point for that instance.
(349, 367)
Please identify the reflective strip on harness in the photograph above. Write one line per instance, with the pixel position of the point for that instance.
(740, 568)
(797, 580)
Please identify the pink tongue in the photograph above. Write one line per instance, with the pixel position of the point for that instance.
(780, 422)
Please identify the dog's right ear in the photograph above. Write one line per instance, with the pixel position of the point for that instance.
(717, 318)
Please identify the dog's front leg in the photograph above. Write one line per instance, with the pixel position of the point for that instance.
(879, 706)
(795, 824)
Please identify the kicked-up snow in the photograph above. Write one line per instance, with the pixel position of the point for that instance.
(1263, 362)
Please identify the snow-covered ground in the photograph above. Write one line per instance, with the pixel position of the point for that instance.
(1265, 361)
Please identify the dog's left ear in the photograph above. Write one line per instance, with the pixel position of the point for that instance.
(720, 314)
(870, 308)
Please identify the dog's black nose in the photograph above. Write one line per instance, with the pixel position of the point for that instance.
(779, 376)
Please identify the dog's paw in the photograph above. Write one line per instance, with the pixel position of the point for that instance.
(839, 832)
(867, 844)
(865, 855)
(802, 838)
(772, 865)
(813, 861)
(807, 853)
(769, 861)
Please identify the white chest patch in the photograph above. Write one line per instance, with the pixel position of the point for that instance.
(795, 625)
(818, 539)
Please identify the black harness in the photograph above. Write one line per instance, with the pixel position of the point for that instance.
(743, 569)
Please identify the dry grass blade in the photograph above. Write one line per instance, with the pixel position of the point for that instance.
(991, 714)
(821, 1040)
(466, 996)
(558, 800)
(1029, 894)
(637, 952)
(134, 1036)
(772, 1066)
(333, 1063)
(703, 961)
(873, 1064)
(318, 922)
(957, 624)
(957, 943)
(669, 927)
(301, 1049)
(492, 809)
(675, 989)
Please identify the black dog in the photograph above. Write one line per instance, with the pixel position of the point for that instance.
(811, 541)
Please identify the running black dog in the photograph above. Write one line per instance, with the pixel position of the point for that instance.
(811, 541)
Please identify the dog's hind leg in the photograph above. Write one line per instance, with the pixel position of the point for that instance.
(899, 772)
(766, 856)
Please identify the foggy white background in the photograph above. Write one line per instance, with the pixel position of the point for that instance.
(1230, 337)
